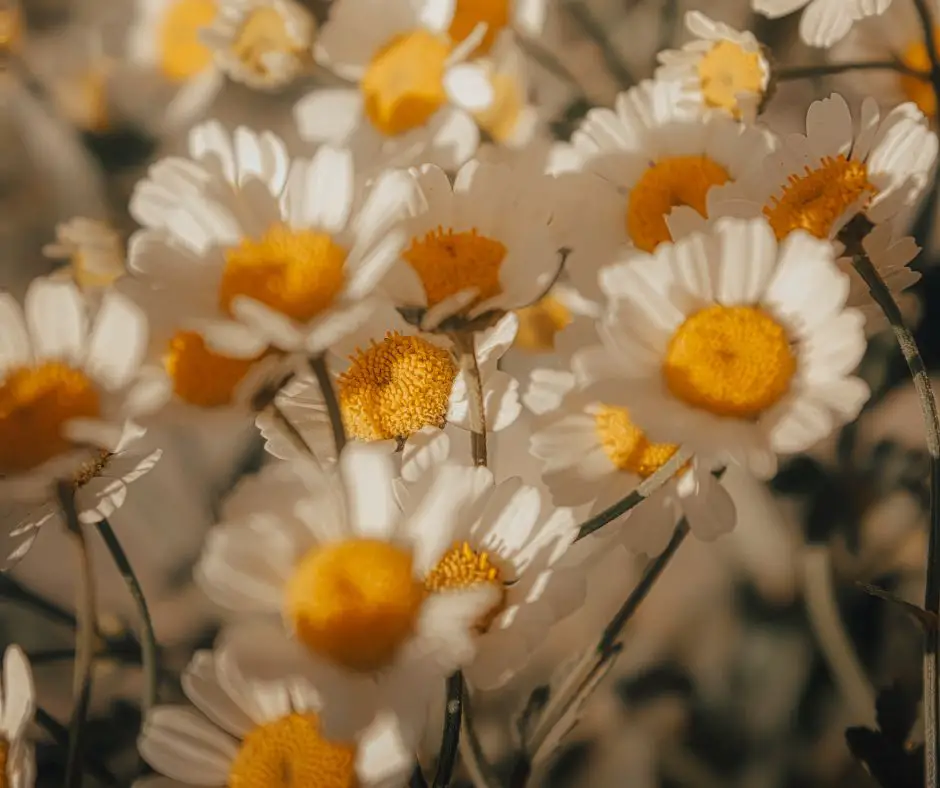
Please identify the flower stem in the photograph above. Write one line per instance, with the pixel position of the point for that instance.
(639, 494)
(10, 589)
(928, 405)
(827, 69)
(466, 349)
(60, 735)
(148, 639)
(453, 711)
(322, 373)
(471, 750)
(594, 30)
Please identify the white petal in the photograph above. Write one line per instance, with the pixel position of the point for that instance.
(330, 115)
(320, 192)
(469, 86)
(202, 687)
(181, 744)
(118, 341)
(14, 340)
(368, 475)
(19, 695)
(57, 319)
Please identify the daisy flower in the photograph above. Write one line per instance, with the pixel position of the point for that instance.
(392, 381)
(65, 394)
(482, 245)
(407, 103)
(93, 249)
(461, 17)
(11, 27)
(722, 69)
(593, 453)
(18, 704)
(263, 251)
(647, 167)
(244, 733)
(346, 571)
(733, 344)
(824, 22)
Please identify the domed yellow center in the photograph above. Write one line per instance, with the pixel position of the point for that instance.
(539, 323)
(200, 376)
(462, 567)
(298, 273)
(404, 84)
(501, 118)
(470, 13)
(816, 200)
(668, 184)
(291, 753)
(730, 360)
(181, 52)
(448, 262)
(35, 403)
(726, 72)
(626, 445)
(354, 602)
(395, 388)
(264, 33)
(919, 90)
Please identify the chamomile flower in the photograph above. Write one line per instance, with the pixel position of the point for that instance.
(408, 104)
(648, 166)
(461, 17)
(824, 22)
(263, 251)
(93, 249)
(722, 69)
(17, 706)
(481, 245)
(65, 395)
(594, 453)
(733, 344)
(346, 572)
(392, 381)
(244, 733)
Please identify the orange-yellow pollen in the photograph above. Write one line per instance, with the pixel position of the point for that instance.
(448, 262)
(540, 323)
(815, 201)
(726, 72)
(35, 404)
(733, 361)
(298, 273)
(462, 567)
(291, 753)
(470, 13)
(626, 445)
(669, 183)
(354, 602)
(396, 387)
(404, 84)
(200, 376)
(181, 52)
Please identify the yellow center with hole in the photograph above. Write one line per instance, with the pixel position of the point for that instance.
(182, 54)
(200, 376)
(669, 183)
(733, 361)
(725, 72)
(626, 445)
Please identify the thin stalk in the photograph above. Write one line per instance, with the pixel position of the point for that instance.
(466, 350)
(928, 404)
(639, 494)
(828, 69)
(322, 373)
(10, 589)
(417, 778)
(547, 60)
(148, 639)
(471, 750)
(450, 739)
(594, 30)
(60, 735)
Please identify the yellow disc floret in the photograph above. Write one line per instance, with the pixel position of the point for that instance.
(200, 376)
(726, 72)
(291, 753)
(298, 273)
(816, 200)
(404, 84)
(730, 361)
(626, 445)
(182, 54)
(470, 13)
(35, 404)
(395, 388)
(355, 602)
(667, 184)
(462, 567)
(264, 33)
(539, 323)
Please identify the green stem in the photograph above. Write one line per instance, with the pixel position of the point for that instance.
(322, 373)
(466, 349)
(60, 735)
(450, 740)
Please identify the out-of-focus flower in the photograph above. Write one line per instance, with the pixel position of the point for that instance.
(262, 251)
(17, 706)
(93, 249)
(11, 26)
(410, 104)
(733, 345)
(824, 22)
(482, 244)
(245, 733)
(721, 69)
(461, 17)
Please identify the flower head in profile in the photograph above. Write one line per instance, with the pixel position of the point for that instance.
(733, 344)
(17, 706)
(93, 249)
(824, 22)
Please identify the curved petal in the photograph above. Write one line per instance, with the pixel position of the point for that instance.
(180, 743)
(57, 319)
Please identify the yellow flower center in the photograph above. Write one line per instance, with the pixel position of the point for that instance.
(354, 602)
(182, 53)
(297, 273)
(725, 72)
(501, 118)
(627, 445)
(919, 90)
(291, 753)
(462, 567)
(447, 262)
(11, 31)
(395, 388)
(469, 13)
(667, 184)
(404, 84)
(817, 200)
(730, 360)
(35, 403)
(264, 33)
(539, 323)
(201, 377)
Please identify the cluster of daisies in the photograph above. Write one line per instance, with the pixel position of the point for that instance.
(458, 339)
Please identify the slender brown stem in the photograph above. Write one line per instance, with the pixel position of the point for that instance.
(322, 373)
(827, 69)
